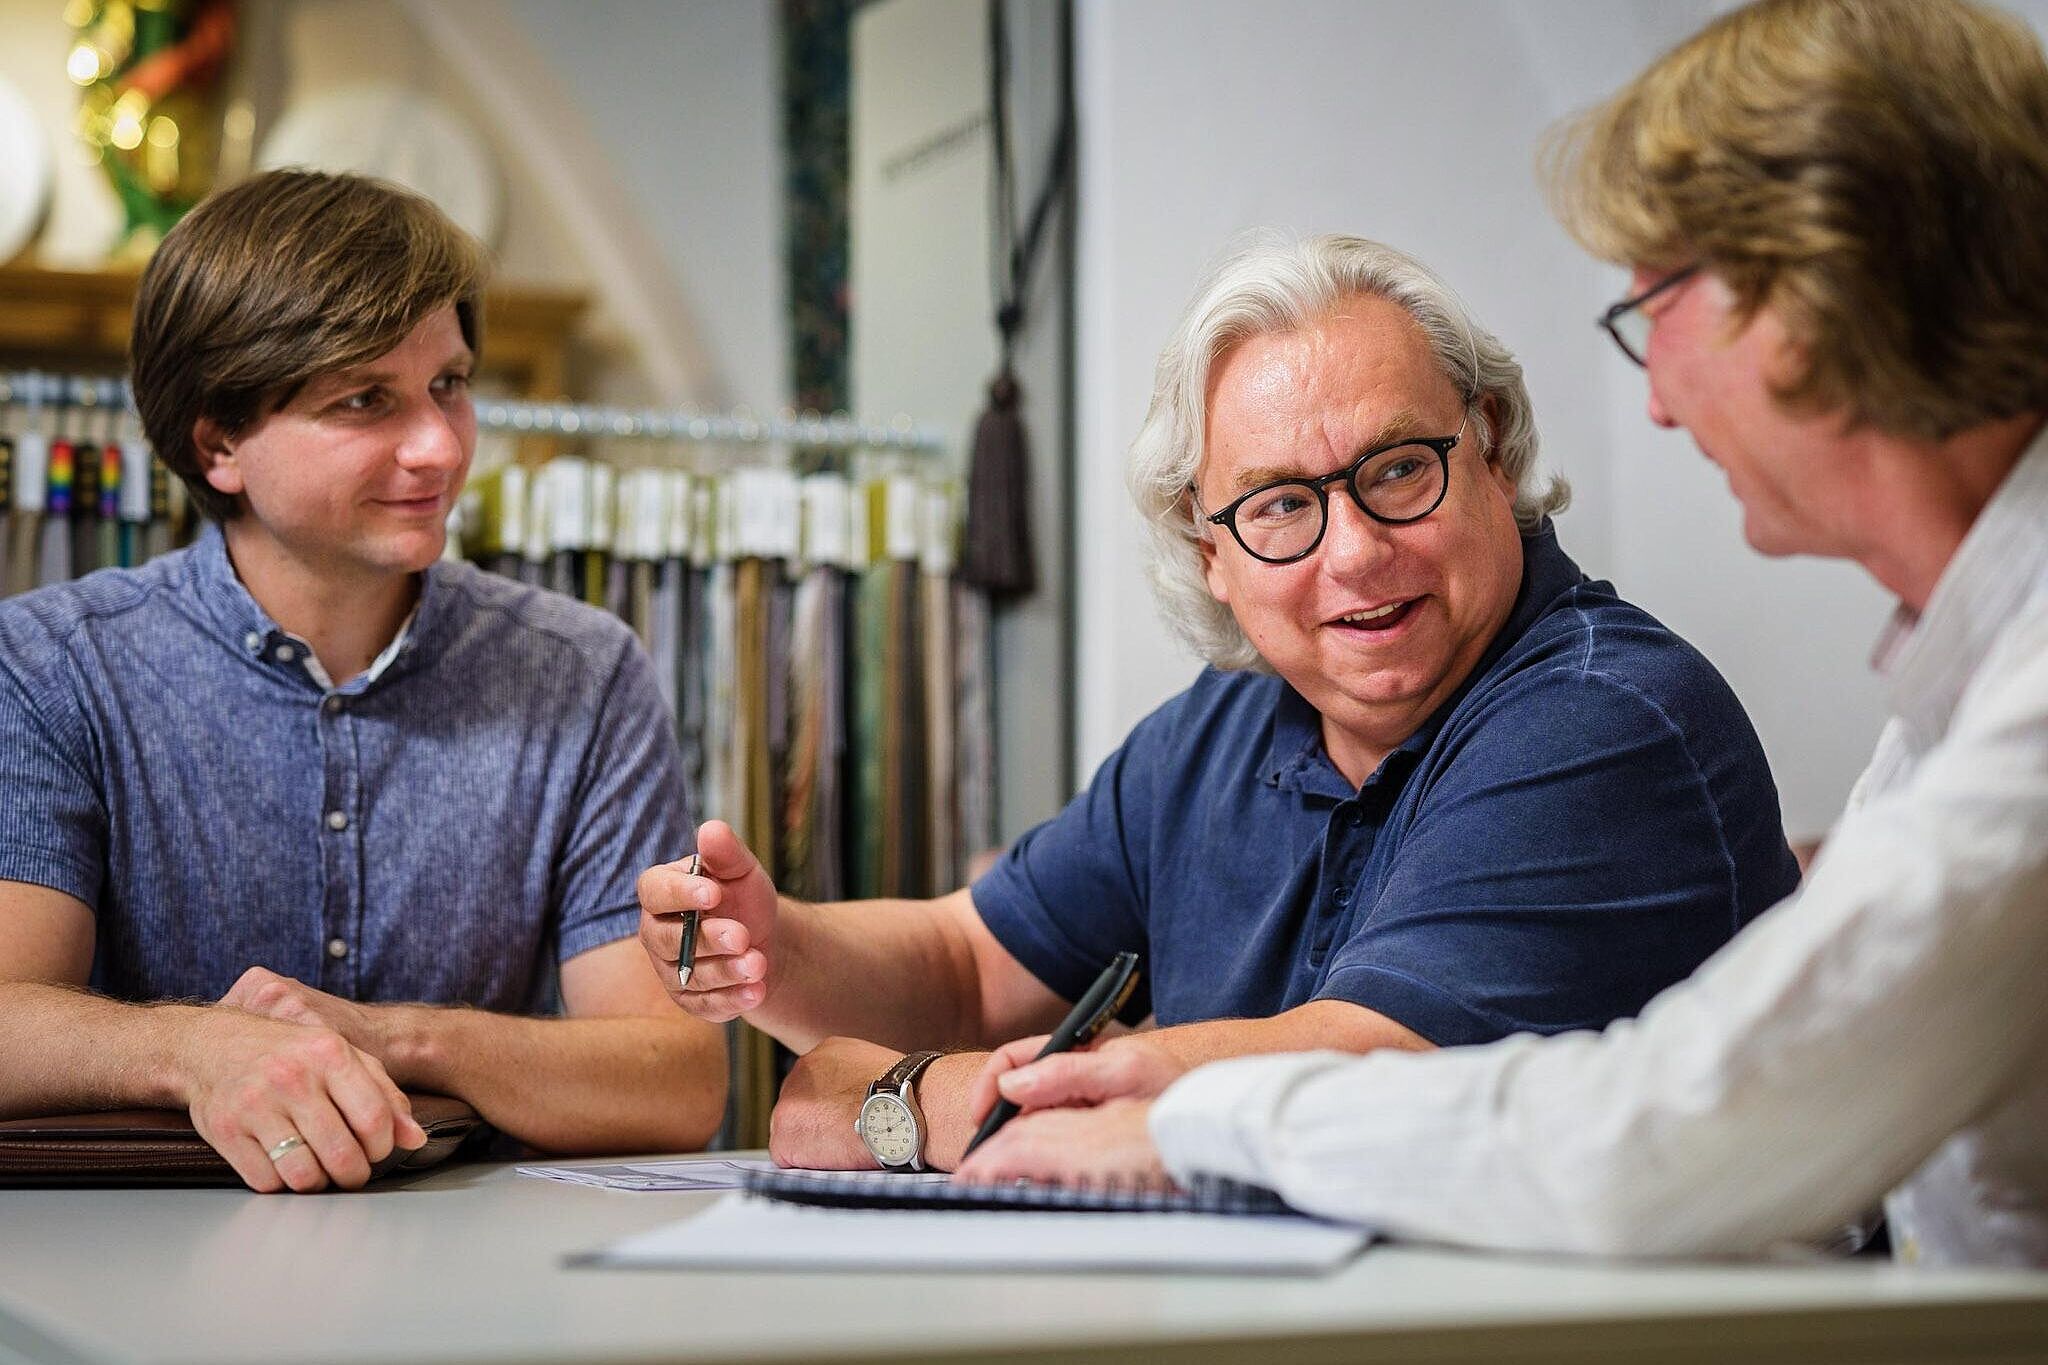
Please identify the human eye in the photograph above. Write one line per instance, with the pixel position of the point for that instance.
(361, 402)
(453, 384)
(1407, 467)
(1395, 467)
(1277, 504)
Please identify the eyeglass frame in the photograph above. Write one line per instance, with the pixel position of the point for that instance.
(1348, 475)
(1611, 319)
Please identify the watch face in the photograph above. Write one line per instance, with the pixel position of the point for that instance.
(888, 1130)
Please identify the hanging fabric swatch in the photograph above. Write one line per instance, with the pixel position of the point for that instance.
(974, 769)
(670, 491)
(813, 809)
(53, 549)
(935, 610)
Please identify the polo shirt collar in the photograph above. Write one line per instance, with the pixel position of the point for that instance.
(1295, 759)
(242, 624)
(1927, 661)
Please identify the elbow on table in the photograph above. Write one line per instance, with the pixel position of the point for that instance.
(1631, 1210)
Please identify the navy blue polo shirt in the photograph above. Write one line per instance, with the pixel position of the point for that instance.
(1581, 825)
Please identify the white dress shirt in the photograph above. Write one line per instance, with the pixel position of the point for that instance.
(1886, 1028)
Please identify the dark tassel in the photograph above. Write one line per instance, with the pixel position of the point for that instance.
(995, 555)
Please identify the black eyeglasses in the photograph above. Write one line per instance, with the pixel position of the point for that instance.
(1394, 484)
(1630, 326)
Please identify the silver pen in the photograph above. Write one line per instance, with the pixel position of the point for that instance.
(688, 956)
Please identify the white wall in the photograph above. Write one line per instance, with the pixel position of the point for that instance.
(686, 99)
(1201, 118)
(1418, 124)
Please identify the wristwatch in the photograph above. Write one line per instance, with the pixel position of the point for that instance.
(890, 1122)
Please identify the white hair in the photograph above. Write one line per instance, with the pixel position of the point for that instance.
(1271, 283)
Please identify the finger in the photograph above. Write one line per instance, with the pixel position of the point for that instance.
(371, 1110)
(411, 1134)
(662, 937)
(1067, 1078)
(332, 1142)
(723, 973)
(407, 1130)
(299, 1167)
(245, 1154)
(1014, 1153)
(726, 856)
(671, 889)
(983, 1094)
(718, 1007)
(245, 986)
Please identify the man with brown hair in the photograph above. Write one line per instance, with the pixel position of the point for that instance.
(1836, 212)
(308, 772)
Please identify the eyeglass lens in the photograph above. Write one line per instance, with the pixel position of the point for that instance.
(1632, 330)
(1283, 521)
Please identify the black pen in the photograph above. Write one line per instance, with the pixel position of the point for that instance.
(687, 957)
(1110, 993)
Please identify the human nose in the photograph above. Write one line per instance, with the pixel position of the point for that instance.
(1352, 540)
(437, 439)
(1658, 412)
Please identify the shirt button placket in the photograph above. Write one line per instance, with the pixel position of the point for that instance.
(341, 850)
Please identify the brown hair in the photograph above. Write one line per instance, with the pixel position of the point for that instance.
(285, 276)
(1874, 170)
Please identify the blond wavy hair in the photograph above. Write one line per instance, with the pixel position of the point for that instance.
(1876, 171)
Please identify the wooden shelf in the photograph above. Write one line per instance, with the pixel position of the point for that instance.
(78, 320)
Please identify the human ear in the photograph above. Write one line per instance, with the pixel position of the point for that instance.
(1219, 586)
(1489, 411)
(215, 447)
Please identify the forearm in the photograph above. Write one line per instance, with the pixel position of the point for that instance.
(1321, 1024)
(896, 972)
(626, 1084)
(70, 1050)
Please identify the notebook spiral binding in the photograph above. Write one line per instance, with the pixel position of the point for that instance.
(831, 1189)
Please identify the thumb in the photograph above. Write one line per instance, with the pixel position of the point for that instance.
(724, 854)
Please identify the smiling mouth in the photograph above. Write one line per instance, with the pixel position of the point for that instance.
(1377, 618)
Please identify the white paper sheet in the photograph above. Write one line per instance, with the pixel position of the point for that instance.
(740, 1232)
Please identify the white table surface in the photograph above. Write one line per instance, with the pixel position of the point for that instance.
(467, 1264)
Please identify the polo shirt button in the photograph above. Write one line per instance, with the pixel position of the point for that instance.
(1357, 818)
(1341, 896)
(285, 654)
(337, 948)
(332, 706)
(252, 642)
(337, 820)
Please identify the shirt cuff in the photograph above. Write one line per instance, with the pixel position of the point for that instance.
(1216, 1119)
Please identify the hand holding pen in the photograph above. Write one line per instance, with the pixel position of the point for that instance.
(706, 922)
(1091, 1014)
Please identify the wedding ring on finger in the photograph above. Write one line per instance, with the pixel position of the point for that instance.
(284, 1147)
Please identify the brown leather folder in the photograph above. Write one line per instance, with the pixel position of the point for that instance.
(160, 1147)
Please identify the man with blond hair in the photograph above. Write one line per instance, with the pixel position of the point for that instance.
(378, 809)
(1437, 787)
(1836, 212)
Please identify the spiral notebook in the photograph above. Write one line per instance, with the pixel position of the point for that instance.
(873, 1190)
(805, 1221)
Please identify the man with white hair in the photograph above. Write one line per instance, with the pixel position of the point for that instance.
(1836, 216)
(1437, 787)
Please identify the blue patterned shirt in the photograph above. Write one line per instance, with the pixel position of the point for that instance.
(445, 829)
